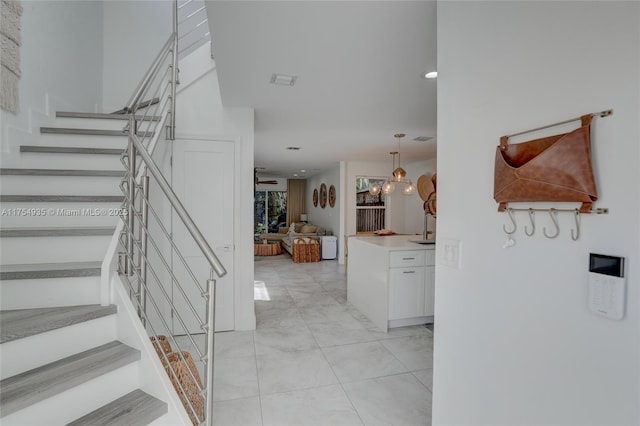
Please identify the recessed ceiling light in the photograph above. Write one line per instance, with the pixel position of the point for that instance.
(293, 148)
(295, 175)
(422, 138)
(430, 75)
(283, 79)
(302, 171)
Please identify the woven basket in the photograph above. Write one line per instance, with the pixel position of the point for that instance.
(161, 344)
(182, 379)
(305, 250)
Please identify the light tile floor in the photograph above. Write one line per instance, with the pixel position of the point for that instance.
(316, 360)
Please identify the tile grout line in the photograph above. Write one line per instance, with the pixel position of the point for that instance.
(372, 337)
(334, 373)
(255, 358)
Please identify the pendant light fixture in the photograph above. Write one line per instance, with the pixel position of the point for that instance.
(397, 177)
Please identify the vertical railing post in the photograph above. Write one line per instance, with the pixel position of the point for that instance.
(131, 197)
(144, 228)
(210, 348)
(174, 72)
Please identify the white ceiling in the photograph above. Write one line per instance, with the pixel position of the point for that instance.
(359, 66)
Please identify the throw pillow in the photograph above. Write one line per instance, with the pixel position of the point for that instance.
(308, 229)
(283, 230)
(298, 227)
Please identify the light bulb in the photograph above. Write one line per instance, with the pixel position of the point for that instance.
(399, 174)
(374, 189)
(388, 187)
(409, 189)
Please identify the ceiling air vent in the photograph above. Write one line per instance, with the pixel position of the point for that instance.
(283, 79)
(422, 139)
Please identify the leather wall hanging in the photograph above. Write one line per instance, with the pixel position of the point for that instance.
(554, 168)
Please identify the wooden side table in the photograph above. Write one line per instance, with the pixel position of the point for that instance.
(271, 248)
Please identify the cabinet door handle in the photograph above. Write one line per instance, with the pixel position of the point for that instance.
(409, 272)
(408, 258)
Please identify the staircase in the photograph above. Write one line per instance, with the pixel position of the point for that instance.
(60, 355)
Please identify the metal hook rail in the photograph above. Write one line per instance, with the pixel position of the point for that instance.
(604, 113)
(575, 233)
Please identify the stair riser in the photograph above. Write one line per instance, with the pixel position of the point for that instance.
(79, 400)
(85, 141)
(53, 249)
(90, 132)
(30, 352)
(105, 124)
(37, 160)
(166, 420)
(136, 408)
(56, 185)
(42, 293)
(90, 123)
(39, 214)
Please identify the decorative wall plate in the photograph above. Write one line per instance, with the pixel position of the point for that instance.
(323, 195)
(332, 196)
(315, 197)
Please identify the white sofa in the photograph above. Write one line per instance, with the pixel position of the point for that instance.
(301, 230)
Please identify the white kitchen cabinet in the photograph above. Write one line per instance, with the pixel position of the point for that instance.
(391, 280)
(406, 292)
(430, 283)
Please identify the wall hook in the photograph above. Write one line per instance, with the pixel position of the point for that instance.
(554, 219)
(533, 224)
(575, 235)
(513, 220)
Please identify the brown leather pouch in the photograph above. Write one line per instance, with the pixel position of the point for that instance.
(555, 168)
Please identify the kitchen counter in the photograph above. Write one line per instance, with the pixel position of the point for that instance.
(396, 242)
(391, 279)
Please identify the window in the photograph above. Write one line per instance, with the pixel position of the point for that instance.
(270, 211)
(370, 209)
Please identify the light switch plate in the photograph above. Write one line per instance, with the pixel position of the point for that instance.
(450, 253)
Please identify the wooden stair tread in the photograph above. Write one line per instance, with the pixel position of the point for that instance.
(89, 132)
(50, 270)
(61, 198)
(104, 116)
(70, 150)
(61, 172)
(136, 408)
(20, 323)
(56, 231)
(30, 387)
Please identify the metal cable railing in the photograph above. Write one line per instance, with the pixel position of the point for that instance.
(172, 296)
(192, 17)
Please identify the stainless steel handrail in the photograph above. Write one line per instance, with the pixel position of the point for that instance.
(151, 259)
(149, 76)
(202, 243)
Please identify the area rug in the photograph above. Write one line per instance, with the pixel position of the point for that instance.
(10, 12)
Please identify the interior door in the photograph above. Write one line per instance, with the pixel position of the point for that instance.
(203, 180)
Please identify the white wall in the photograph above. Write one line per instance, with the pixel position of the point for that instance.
(61, 63)
(329, 217)
(515, 342)
(134, 33)
(201, 115)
